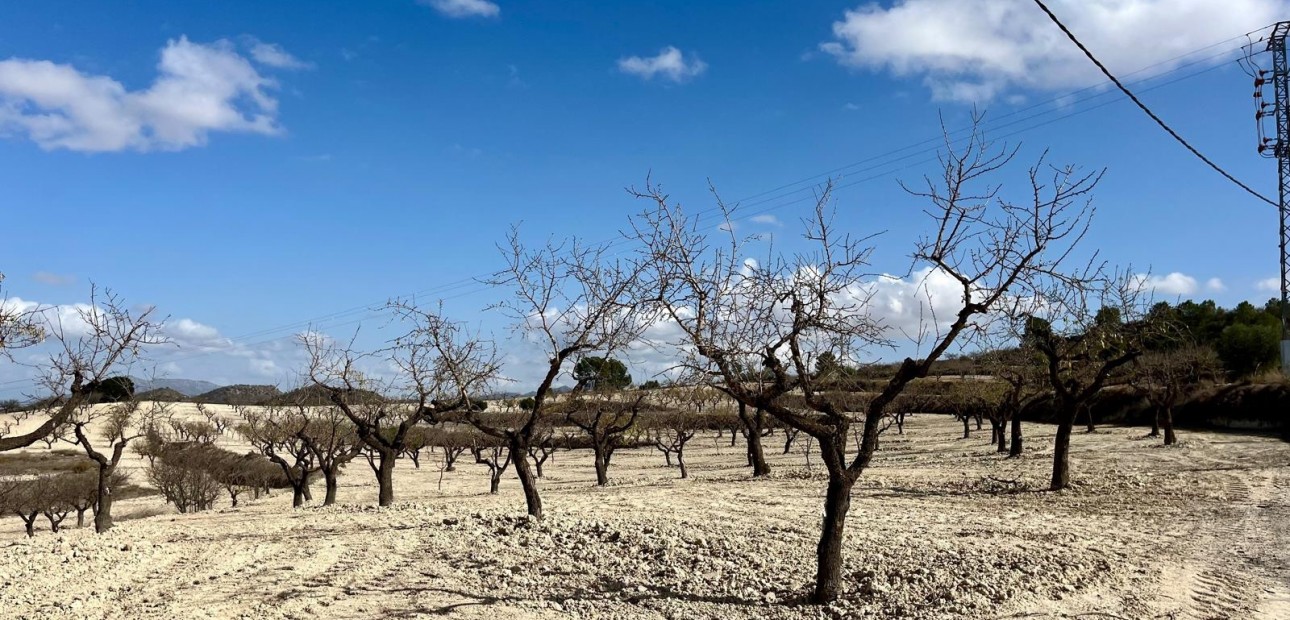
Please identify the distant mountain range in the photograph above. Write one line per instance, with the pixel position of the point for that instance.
(187, 387)
(238, 395)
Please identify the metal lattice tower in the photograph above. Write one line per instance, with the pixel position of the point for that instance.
(1281, 150)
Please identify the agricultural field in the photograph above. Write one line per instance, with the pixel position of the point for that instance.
(940, 527)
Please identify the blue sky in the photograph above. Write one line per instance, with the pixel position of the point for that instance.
(251, 168)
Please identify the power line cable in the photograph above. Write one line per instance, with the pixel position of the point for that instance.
(761, 198)
(1144, 107)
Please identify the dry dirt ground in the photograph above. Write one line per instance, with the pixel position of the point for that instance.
(939, 528)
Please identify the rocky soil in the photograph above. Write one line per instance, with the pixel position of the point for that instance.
(941, 527)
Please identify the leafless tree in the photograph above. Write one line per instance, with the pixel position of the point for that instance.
(671, 431)
(418, 440)
(276, 432)
(220, 423)
(1018, 366)
(331, 438)
(781, 312)
(542, 447)
(91, 343)
(116, 425)
(19, 327)
(1167, 375)
(440, 370)
(1088, 326)
(23, 499)
(568, 300)
(59, 495)
(80, 490)
(492, 452)
(184, 476)
(605, 419)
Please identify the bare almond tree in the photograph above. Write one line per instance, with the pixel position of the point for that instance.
(90, 344)
(492, 452)
(605, 420)
(1089, 326)
(1018, 367)
(20, 327)
(670, 431)
(441, 371)
(23, 499)
(568, 300)
(331, 438)
(780, 313)
(116, 426)
(277, 432)
(1167, 375)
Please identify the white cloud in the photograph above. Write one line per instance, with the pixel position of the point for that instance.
(53, 279)
(1215, 285)
(191, 335)
(199, 89)
(767, 219)
(669, 64)
(1173, 284)
(925, 300)
(273, 55)
(458, 9)
(977, 50)
(1269, 285)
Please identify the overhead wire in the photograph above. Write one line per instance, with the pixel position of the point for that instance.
(1147, 110)
(359, 314)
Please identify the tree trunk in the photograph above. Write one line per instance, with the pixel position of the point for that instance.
(527, 480)
(602, 464)
(297, 495)
(756, 454)
(494, 479)
(305, 491)
(837, 502)
(790, 435)
(667, 455)
(31, 525)
(385, 477)
(967, 431)
(1155, 423)
(103, 518)
(1167, 416)
(1061, 454)
(1015, 449)
(1088, 419)
(80, 517)
(680, 461)
(978, 421)
(329, 478)
(900, 423)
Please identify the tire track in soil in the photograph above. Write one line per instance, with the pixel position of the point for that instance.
(149, 596)
(367, 573)
(1214, 591)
